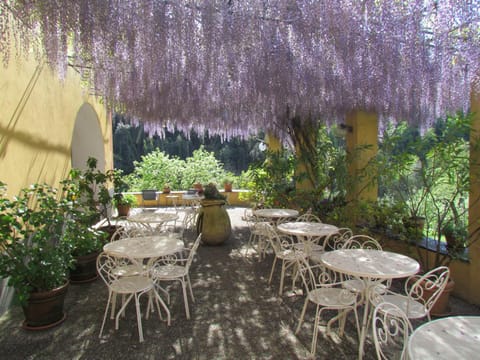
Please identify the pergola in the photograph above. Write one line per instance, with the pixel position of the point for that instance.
(234, 67)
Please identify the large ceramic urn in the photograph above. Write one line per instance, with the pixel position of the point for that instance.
(213, 222)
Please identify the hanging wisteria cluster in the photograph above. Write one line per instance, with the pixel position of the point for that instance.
(234, 66)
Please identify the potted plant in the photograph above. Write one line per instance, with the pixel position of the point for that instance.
(36, 253)
(123, 203)
(213, 221)
(456, 235)
(227, 183)
(86, 240)
(198, 187)
(438, 189)
(90, 199)
(166, 189)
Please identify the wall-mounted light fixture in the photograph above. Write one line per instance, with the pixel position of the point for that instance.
(346, 127)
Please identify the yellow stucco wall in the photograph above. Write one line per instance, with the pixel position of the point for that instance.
(37, 118)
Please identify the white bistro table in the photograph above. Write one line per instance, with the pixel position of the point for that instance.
(145, 247)
(153, 220)
(369, 266)
(308, 232)
(191, 199)
(274, 215)
(456, 337)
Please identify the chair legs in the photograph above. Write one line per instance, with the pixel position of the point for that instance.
(341, 317)
(111, 302)
(185, 282)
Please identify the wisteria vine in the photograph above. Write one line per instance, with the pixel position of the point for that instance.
(236, 66)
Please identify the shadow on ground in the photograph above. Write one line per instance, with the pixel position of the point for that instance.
(236, 315)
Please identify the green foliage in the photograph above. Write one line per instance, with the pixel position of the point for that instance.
(272, 180)
(429, 175)
(90, 199)
(157, 169)
(125, 199)
(36, 252)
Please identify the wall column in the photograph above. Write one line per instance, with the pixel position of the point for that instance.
(471, 292)
(362, 146)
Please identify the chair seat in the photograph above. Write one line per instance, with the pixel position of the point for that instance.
(356, 285)
(127, 270)
(168, 272)
(316, 256)
(332, 297)
(416, 310)
(131, 284)
(312, 247)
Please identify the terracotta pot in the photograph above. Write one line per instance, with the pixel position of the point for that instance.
(227, 187)
(45, 309)
(441, 308)
(166, 190)
(123, 210)
(85, 269)
(198, 187)
(213, 222)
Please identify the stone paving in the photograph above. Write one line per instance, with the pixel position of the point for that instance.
(236, 315)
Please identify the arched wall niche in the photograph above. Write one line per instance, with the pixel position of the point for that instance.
(87, 139)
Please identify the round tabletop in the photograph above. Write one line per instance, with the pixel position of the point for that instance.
(307, 229)
(275, 213)
(456, 337)
(153, 217)
(370, 263)
(145, 247)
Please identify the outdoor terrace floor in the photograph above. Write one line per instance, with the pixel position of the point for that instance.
(237, 315)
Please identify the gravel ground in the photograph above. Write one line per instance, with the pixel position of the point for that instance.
(236, 315)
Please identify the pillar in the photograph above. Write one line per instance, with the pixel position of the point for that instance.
(471, 289)
(362, 146)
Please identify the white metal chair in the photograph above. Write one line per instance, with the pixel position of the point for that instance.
(259, 234)
(176, 268)
(308, 217)
(133, 286)
(284, 249)
(332, 242)
(416, 303)
(190, 217)
(324, 289)
(391, 329)
(362, 242)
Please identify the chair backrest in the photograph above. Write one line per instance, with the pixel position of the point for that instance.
(279, 242)
(428, 287)
(362, 242)
(314, 276)
(337, 240)
(120, 233)
(308, 217)
(193, 251)
(149, 194)
(391, 329)
(110, 267)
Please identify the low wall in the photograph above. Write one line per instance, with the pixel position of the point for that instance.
(237, 197)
